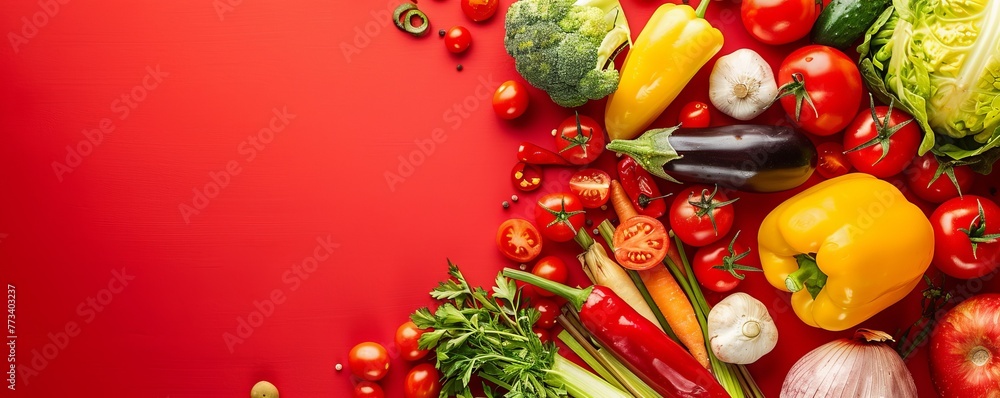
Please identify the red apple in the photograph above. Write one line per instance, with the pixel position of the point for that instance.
(965, 349)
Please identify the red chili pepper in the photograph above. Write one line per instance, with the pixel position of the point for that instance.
(641, 188)
(635, 341)
(534, 154)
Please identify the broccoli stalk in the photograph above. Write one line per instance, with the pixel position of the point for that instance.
(567, 47)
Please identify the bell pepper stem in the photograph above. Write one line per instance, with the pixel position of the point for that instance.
(702, 7)
(575, 297)
(808, 276)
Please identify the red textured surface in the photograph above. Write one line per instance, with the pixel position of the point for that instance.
(361, 100)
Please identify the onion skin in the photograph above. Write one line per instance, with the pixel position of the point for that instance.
(864, 366)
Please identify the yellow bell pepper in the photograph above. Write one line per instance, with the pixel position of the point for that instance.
(676, 42)
(847, 248)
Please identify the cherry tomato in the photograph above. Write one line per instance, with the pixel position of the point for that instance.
(367, 389)
(526, 177)
(701, 215)
(716, 267)
(543, 334)
(518, 240)
(369, 361)
(423, 381)
(549, 311)
(882, 141)
(562, 215)
(479, 10)
(967, 236)
(827, 77)
(580, 139)
(779, 21)
(832, 160)
(695, 114)
(641, 242)
(931, 180)
(551, 268)
(510, 100)
(407, 336)
(457, 39)
(593, 186)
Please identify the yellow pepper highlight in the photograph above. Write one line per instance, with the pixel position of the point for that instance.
(847, 248)
(676, 42)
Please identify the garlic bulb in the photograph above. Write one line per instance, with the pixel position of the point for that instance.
(864, 366)
(740, 330)
(742, 84)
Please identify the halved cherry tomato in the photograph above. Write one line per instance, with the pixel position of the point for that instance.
(551, 268)
(820, 89)
(510, 100)
(457, 39)
(549, 311)
(641, 242)
(695, 114)
(367, 389)
(592, 186)
(518, 240)
(716, 268)
(882, 141)
(832, 161)
(779, 21)
(562, 215)
(526, 177)
(479, 10)
(407, 336)
(580, 139)
(423, 381)
(937, 182)
(368, 361)
(701, 215)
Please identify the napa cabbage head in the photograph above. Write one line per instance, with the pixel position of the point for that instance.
(940, 61)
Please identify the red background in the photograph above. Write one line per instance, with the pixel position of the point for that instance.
(363, 95)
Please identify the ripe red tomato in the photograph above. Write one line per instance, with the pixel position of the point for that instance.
(457, 39)
(593, 186)
(549, 311)
(716, 268)
(407, 341)
(562, 215)
(701, 215)
(829, 79)
(580, 139)
(526, 177)
(423, 381)
(518, 240)
(367, 389)
(779, 21)
(479, 10)
(695, 114)
(543, 334)
(967, 236)
(510, 100)
(832, 160)
(368, 361)
(882, 141)
(551, 268)
(932, 181)
(641, 242)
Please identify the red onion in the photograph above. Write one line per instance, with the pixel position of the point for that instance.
(864, 366)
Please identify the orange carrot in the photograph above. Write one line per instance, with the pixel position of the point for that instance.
(676, 307)
(621, 203)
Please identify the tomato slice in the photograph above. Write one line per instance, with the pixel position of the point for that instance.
(641, 243)
(592, 186)
(526, 177)
(518, 240)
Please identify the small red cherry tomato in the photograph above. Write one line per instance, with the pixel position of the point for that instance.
(479, 10)
(695, 114)
(407, 341)
(368, 389)
(369, 361)
(832, 160)
(510, 100)
(457, 39)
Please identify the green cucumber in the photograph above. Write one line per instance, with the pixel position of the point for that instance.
(843, 22)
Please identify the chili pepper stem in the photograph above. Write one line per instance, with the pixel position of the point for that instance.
(575, 297)
(702, 7)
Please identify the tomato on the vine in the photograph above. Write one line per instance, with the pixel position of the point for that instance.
(580, 139)
(367, 389)
(593, 186)
(936, 181)
(561, 214)
(882, 141)
(820, 88)
(641, 242)
(423, 381)
(510, 100)
(832, 160)
(407, 341)
(457, 39)
(479, 10)
(549, 311)
(779, 21)
(368, 361)
(701, 215)
(551, 268)
(518, 240)
(716, 268)
(695, 114)
(967, 236)
(526, 177)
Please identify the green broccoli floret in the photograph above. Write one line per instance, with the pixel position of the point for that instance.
(565, 47)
